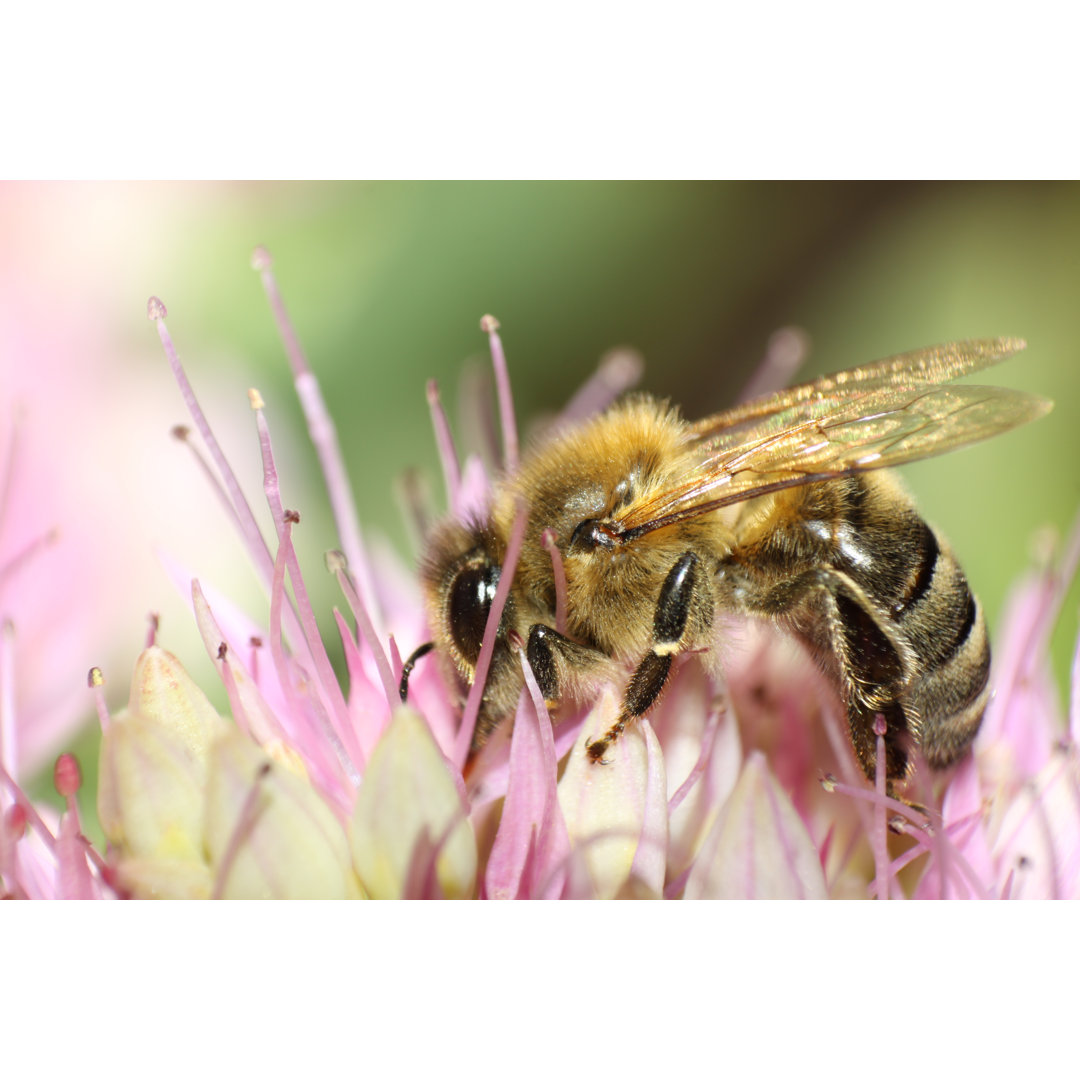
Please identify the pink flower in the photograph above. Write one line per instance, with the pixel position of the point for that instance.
(741, 783)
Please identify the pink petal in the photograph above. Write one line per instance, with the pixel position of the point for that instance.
(759, 847)
(530, 849)
(702, 759)
(1038, 842)
(965, 834)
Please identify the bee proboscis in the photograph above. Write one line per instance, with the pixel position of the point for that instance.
(779, 508)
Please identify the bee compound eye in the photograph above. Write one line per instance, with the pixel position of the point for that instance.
(471, 596)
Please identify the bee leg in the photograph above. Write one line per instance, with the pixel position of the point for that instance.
(670, 622)
(872, 666)
(551, 656)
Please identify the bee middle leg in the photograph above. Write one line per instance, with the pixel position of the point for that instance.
(680, 595)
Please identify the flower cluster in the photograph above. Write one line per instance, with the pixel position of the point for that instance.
(738, 785)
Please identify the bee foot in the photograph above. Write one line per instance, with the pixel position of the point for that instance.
(596, 750)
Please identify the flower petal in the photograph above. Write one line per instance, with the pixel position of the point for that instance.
(532, 845)
(153, 763)
(269, 834)
(759, 847)
(410, 806)
(611, 807)
(702, 758)
(150, 790)
(162, 691)
(965, 834)
(1038, 844)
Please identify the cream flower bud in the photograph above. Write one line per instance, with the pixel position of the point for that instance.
(409, 813)
(269, 833)
(162, 691)
(153, 771)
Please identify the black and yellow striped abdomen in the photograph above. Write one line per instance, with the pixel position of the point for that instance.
(853, 570)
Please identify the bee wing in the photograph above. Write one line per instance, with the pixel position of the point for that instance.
(877, 423)
(921, 367)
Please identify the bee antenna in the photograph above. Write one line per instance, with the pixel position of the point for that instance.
(406, 671)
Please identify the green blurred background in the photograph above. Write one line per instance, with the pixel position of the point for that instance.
(386, 283)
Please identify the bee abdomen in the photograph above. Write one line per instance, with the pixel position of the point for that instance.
(945, 626)
(927, 598)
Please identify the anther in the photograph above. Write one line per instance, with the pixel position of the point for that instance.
(155, 309)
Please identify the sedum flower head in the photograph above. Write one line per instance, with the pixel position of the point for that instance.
(741, 782)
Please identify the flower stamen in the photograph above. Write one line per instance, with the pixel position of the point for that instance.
(323, 435)
(444, 441)
(490, 325)
(476, 691)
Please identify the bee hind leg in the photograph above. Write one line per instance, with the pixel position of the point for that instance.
(678, 595)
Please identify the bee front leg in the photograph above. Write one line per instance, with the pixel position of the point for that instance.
(554, 658)
(670, 623)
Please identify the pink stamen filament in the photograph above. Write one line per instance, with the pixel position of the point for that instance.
(476, 692)
(444, 441)
(36, 546)
(326, 684)
(216, 486)
(367, 630)
(262, 262)
(324, 438)
(559, 572)
(338, 764)
(502, 388)
(936, 843)
(33, 818)
(708, 740)
(245, 823)
(253, 538)
(880, 838)
(841, 748)
(617, 372)
(232, 692)
(96, 681)
(267, 726)
(785, 353)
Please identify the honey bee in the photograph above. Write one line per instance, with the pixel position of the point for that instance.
(778, 509)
